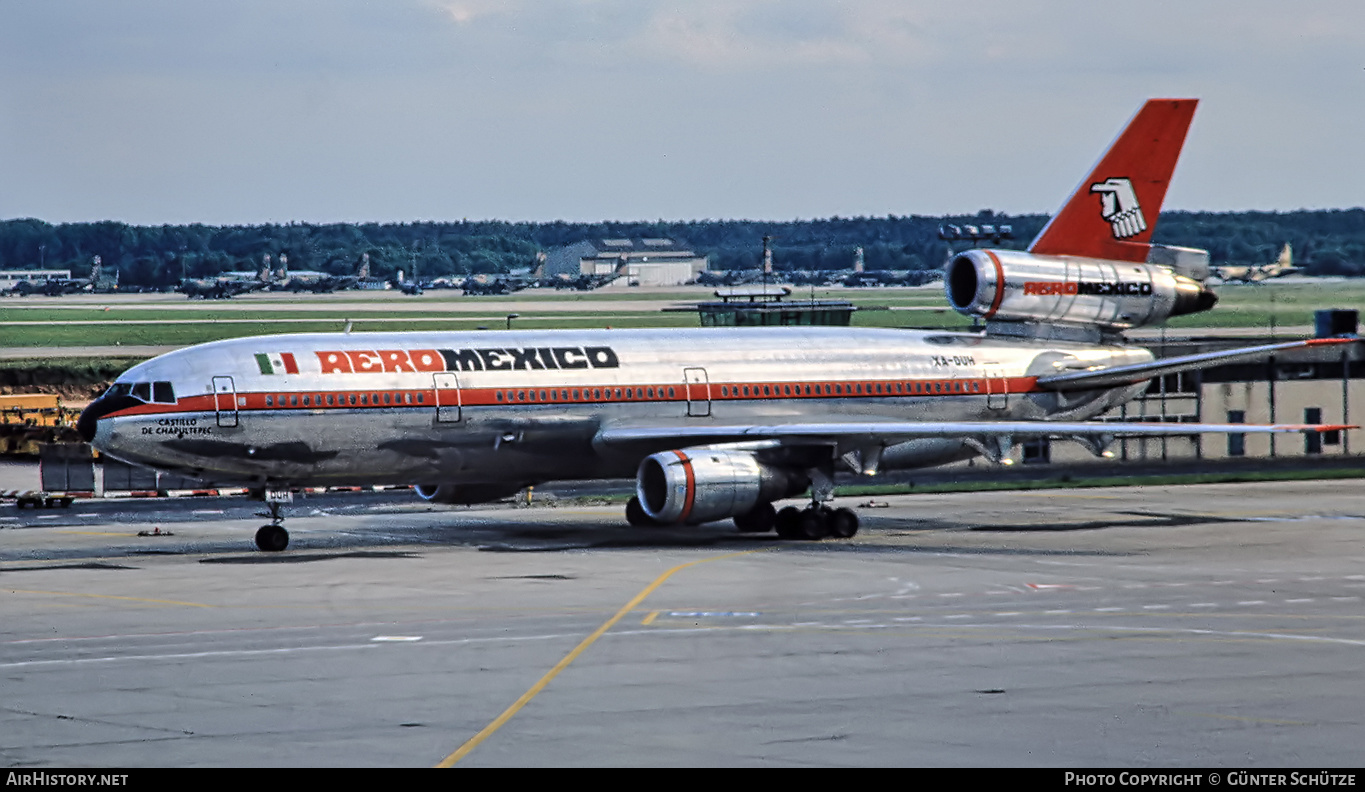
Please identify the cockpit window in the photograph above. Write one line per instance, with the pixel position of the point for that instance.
(159, 392)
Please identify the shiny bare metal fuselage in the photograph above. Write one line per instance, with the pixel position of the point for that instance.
(513, 408)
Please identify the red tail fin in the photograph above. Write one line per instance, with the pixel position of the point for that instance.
(1113, 211)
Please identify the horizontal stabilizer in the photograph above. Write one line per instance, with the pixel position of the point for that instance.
(1117, 376)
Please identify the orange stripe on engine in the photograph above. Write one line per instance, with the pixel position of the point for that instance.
(999, 284)
(691, 486)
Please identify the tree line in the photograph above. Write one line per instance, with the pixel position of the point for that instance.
(1325, 242)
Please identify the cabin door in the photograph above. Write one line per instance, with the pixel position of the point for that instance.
(225, 401)
(997, 393)
(448, 400)
(698, 392)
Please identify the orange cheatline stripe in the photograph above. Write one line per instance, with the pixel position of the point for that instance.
(476, 397)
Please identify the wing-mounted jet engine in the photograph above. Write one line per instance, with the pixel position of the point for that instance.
(699, 485)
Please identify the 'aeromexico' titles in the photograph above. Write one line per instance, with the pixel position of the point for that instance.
(379, 361)
(1101, 288)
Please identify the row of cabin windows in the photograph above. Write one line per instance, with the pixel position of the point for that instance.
(859, 389)
(856, 389)
(597, 394)
(343, 399)
(584, 394)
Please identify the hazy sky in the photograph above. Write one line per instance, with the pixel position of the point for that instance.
(247, 111)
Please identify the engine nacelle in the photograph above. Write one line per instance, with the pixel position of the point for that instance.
(698, 485)
(1014, 286)
(465, 493)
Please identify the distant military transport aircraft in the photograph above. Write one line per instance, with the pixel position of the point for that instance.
(713, 423)
(1256, 273)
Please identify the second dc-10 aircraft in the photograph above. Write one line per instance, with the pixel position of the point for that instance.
(713, 423)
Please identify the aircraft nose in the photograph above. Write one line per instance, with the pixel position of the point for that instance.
(97, 409)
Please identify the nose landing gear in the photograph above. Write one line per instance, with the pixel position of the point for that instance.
(273, 538)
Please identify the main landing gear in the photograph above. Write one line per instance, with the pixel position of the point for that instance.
(273, 538)
(816, 521)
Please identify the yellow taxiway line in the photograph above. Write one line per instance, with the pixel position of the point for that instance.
(526, 697)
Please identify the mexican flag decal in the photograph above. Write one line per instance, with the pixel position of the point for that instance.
(277, 363)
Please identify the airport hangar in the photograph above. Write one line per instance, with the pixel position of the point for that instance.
(645, 261)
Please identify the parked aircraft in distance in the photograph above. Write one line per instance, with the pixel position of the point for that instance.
(97, 283)
(713, 423)
(226, 284)
(1284, 265)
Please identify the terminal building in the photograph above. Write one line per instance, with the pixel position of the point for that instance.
(635, 262)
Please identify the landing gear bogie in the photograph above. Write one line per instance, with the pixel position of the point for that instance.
(816, 522)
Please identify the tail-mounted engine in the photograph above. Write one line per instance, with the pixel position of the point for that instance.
(698, 485)
(1007, 286)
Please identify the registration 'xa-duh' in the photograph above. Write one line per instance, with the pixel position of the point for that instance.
(713, 423)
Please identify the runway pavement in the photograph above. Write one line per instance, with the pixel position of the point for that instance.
(1212, 625)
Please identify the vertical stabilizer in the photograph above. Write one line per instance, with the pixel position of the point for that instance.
(1112, 212)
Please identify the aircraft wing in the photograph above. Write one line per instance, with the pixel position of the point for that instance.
(887, 432)
(1115, 376)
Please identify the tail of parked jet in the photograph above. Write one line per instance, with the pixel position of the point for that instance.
(1111, 214)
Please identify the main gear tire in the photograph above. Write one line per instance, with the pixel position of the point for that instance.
(760, 519)
(272, 538)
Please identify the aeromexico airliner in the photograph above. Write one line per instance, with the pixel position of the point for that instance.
(713, 423)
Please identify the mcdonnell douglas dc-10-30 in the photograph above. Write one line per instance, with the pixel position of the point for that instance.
(713, 423)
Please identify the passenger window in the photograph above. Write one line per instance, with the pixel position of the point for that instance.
(307, 400)
(388, 398)
(294, 400)
(365, 398)
(421, 398)
(407, 398)
(352, 399)
(331, 399)
(270, 401)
